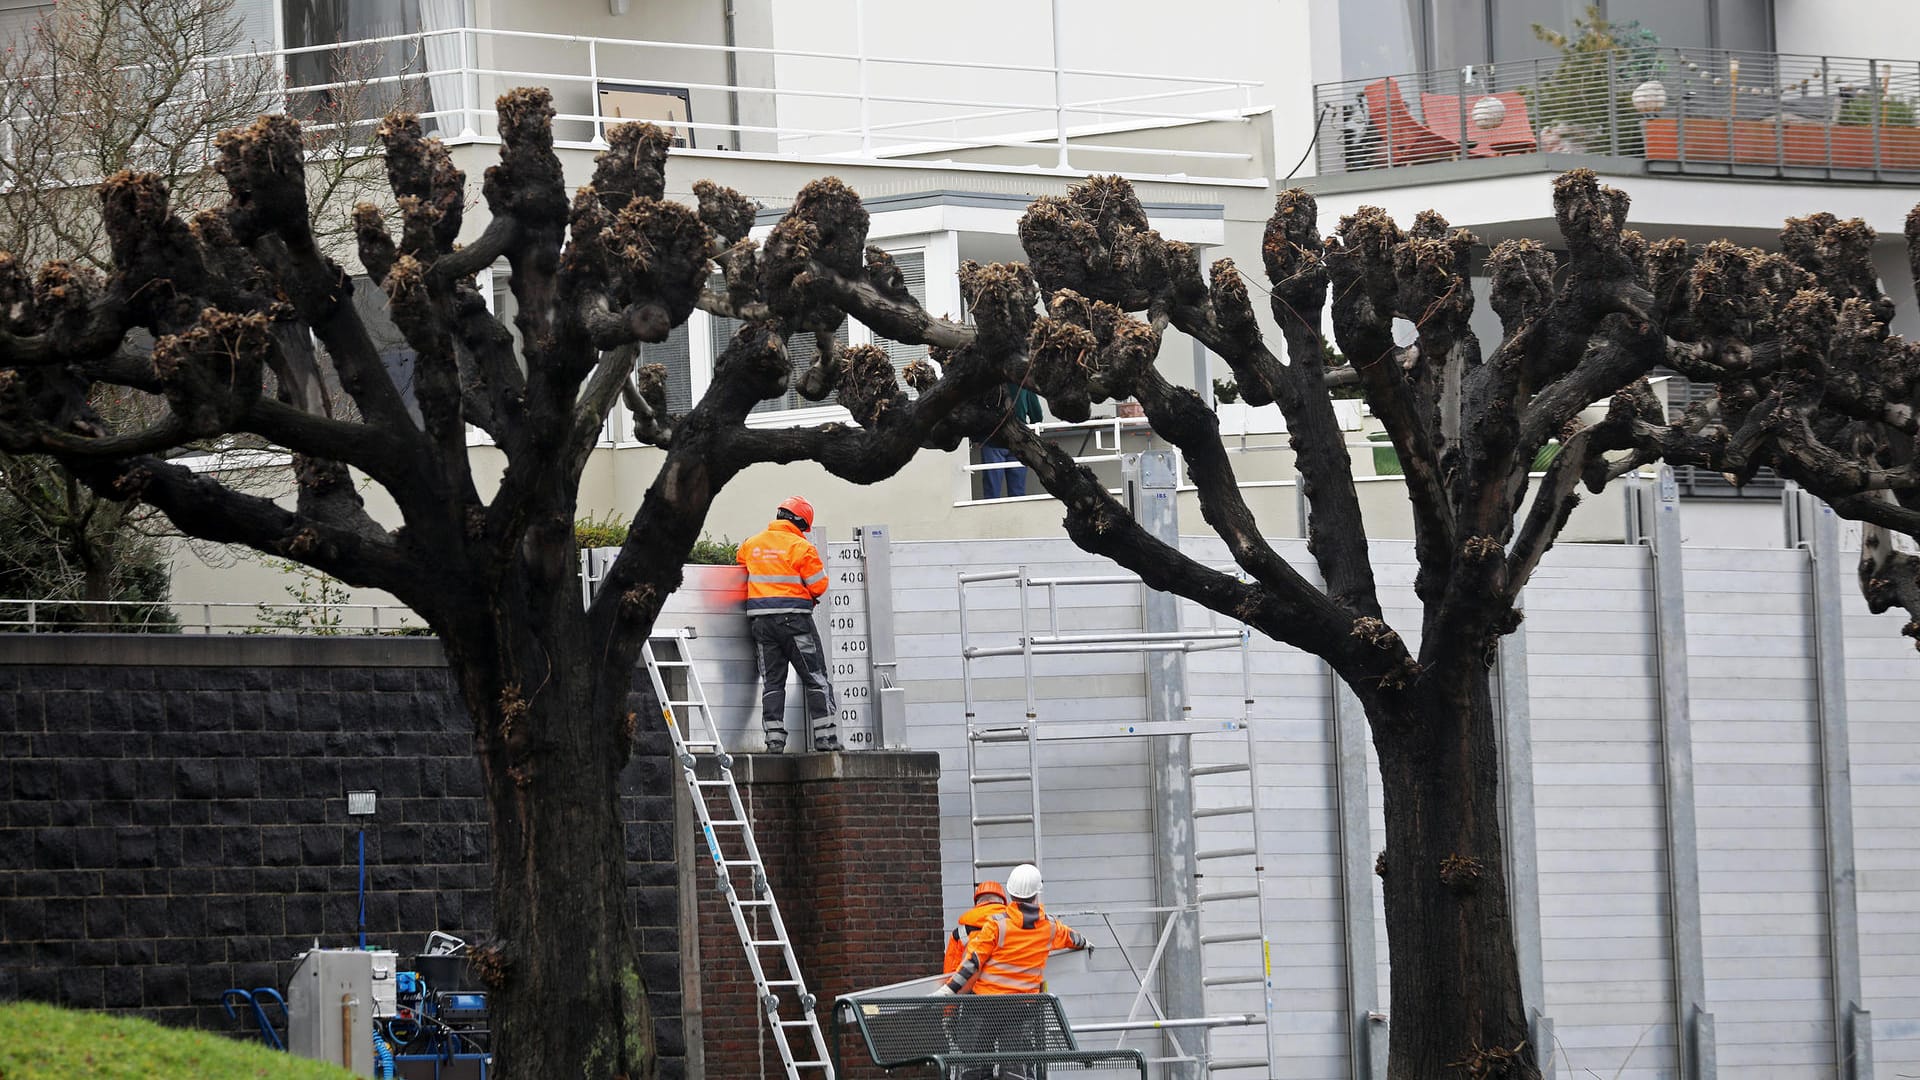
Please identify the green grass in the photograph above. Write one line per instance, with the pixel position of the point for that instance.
(40, 1042)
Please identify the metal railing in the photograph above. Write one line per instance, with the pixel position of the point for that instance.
(1100, 444)
(812, 104)
(35, 616)
(1709, 111)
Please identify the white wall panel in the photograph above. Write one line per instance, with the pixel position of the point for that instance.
(1762, 877)
(1600, 813)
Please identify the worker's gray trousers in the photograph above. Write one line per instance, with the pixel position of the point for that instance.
(789, 638)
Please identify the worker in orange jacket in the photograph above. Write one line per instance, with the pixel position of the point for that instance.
(989, 899)
(785, 581)
(1008, 955)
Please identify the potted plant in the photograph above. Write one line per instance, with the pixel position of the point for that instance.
(1586, 105)
(1871, 116)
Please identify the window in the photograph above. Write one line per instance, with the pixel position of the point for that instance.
(1705, 483)
(311, 23)
(1448, 34)
(676, 355)
(17, 21)
(913, 267)
(802, 350)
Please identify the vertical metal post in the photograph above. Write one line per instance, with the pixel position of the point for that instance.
(1694, 1024)
(1366, 1023)
(1059, 91)
(860, 50)
(470, 108)
(1680, 124)
(1463, 82)
(1813, 526)
(1523, 859)
(1877, 97)
(593, 88)
(1826, 95)
(1149, 479)
(1612, 106)
(890, 723)
(1033, 712)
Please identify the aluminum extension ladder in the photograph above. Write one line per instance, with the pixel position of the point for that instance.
(1004, 757)
(730, 843)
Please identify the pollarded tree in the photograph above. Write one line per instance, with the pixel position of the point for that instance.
(93, 88)
(1811, 383)
(236, 299)
(1822, 394)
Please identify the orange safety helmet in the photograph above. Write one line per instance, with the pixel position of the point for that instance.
(801, 509)
(989, 888)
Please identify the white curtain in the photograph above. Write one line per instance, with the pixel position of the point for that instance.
(446, 56)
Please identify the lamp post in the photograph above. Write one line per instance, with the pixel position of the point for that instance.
(360, 804)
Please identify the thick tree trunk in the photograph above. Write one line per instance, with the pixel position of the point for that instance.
(569, 1000)
(1457, 1009)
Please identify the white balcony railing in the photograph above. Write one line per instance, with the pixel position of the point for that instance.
(806, 104)
(1708, 111)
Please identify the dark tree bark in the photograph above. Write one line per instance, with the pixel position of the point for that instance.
(1447, 920)
(235, 298)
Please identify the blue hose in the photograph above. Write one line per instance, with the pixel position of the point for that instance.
(380, 1050)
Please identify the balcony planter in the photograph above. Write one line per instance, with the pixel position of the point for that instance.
(1766, 142)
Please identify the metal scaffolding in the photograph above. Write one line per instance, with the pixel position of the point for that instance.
(1005, 757)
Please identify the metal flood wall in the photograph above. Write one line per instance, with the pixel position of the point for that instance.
(1885, 727)
(1596, 864)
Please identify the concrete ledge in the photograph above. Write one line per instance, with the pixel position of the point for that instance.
(219, 650)
(813, 768)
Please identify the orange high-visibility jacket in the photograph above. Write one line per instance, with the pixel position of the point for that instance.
(963, 931)
(1009, 954)
(784, 571)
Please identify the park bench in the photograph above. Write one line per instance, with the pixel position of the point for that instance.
(948, 1033)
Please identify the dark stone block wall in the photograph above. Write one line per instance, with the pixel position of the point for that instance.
(173, 818)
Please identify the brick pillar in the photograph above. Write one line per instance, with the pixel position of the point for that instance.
(852, 847)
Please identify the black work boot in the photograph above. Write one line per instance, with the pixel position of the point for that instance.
(776, 742)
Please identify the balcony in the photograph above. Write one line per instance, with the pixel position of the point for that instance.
(1655, 110)
(796, 104)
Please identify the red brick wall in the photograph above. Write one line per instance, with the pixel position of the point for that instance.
(852, 848)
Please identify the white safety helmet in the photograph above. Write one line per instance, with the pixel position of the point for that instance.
(1024, 882)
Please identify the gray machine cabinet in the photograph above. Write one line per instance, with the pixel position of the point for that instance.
(330, 1008)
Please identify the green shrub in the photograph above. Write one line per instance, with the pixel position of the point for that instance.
(610, 531)
(1863, 110)
(595, 532)
(318, 604)
(710, 552)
